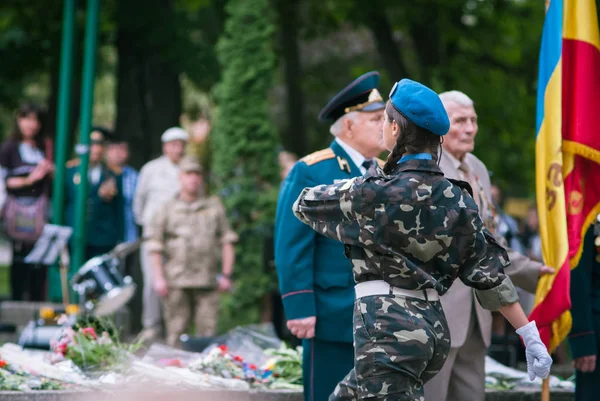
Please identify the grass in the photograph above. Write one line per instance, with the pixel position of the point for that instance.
(4, 281)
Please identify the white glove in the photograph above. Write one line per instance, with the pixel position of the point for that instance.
(538, 359)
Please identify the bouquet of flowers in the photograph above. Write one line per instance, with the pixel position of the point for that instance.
(89, 350)
(282, 371)
(220, 362)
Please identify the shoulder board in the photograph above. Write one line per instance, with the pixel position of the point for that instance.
(318, 156)
(380, 162)
(72, 163)
(462, 184)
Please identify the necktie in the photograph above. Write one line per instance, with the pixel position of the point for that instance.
(367, 164)
(469, 177)
(485, 208)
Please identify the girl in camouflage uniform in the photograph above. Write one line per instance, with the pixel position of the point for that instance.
(410, 233)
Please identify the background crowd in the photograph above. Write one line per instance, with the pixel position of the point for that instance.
(122, 203)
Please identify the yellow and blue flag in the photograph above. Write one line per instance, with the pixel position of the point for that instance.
(567, 153)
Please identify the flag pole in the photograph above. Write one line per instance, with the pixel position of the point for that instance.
(546, 389)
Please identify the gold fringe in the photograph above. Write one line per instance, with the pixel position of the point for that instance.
(581, 150)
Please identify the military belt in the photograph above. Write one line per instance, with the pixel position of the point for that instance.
(380, 287)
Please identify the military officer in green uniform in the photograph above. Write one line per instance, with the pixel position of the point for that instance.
(584, 339)
(315, 278)
(105, 211)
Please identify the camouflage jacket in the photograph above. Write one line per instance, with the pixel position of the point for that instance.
(415, 229)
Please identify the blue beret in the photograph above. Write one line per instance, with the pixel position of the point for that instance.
(360, 95)
(420, 105)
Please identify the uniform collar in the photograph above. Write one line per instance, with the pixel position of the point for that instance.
(200, 203)
(346, 162)
(357, 158)
(415, 156)
(429, 166)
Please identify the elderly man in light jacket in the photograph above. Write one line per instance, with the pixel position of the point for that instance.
(158, 182)
(463, 374)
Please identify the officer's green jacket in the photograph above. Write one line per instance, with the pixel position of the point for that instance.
(315, 278)
(585, 301)
(105, 219)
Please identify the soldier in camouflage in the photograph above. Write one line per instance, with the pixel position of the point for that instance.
(409, 233)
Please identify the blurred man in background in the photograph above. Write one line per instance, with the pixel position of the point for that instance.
(117, 155)
(188, 237)
(158, 183)
(105, 217)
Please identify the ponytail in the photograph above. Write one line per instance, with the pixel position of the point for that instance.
(395, 156)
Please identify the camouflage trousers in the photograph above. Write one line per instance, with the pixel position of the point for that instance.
(183, 306)
(399, 344)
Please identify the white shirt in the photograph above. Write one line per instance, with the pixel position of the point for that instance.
(357, 158)
(94, 174)
(158, 183)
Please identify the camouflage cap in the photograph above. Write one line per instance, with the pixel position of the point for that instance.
(190, 164)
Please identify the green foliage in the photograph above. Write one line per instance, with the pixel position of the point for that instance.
(487, 49)
(244, 147)
(500, 77)
(287, 368)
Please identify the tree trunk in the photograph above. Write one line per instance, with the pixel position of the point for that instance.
(427, 30)
(294, 137)
(377, 22)
(148, 88)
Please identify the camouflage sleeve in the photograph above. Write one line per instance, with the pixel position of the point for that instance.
(157, 228)
(332, 210)
(483, 269)
(225, 233)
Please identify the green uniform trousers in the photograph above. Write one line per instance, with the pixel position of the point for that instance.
(324, 364)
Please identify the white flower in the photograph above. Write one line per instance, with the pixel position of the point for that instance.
(104, 339)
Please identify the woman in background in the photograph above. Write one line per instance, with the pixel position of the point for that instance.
(27, 174)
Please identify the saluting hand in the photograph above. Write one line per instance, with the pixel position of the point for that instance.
(303, 328)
